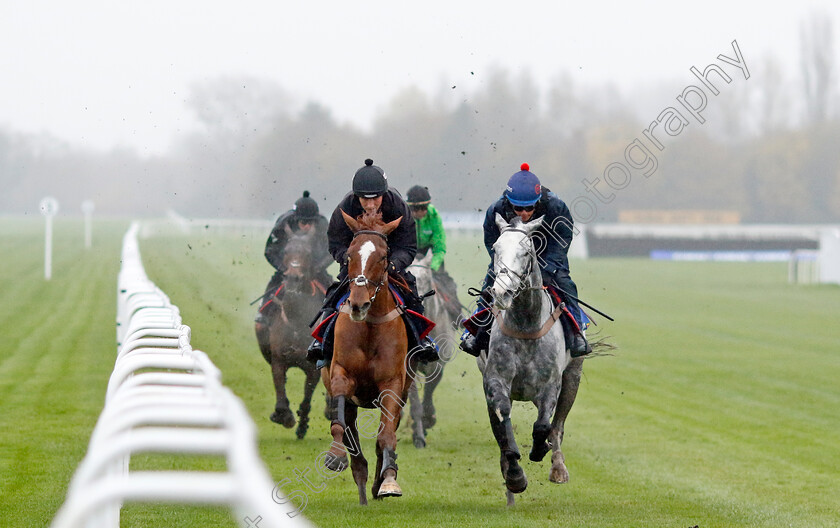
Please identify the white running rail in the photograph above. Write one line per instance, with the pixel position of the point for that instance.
(165, 397)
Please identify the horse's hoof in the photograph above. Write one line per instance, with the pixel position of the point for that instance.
(283, 417)
(539, 451)
(419, 441)
(335, 463)
(558, 474)
(429, 420)
(389, 488)
(300, 432)
(515, 479)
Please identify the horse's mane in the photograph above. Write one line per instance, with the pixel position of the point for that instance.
(370, 221)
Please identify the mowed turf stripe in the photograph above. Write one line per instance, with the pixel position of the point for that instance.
(54, 384)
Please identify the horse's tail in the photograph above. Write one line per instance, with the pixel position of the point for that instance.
(601, 346)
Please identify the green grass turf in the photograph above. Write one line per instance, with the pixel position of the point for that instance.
(720, 408)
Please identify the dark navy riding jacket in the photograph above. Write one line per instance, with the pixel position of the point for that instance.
(276, 243)
(402, 241)
(557, 229)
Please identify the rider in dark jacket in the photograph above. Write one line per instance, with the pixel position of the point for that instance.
(527, 198)
(303, 218)
(371, 194)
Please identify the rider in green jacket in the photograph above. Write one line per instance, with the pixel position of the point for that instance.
(431, 237)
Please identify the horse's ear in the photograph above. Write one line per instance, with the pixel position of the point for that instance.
(501, 222)
(350, 221)
(390, 226)
(425, 261)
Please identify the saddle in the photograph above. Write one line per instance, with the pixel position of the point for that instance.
(423, 325)
(484, 317)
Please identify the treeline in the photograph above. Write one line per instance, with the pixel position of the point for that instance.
(767, 148)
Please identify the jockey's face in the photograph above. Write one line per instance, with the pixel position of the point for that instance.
(370, 205)
(523, 214)
(418, 211)
(305, 225)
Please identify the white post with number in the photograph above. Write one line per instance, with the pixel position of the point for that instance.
(49, 207)
(87, 209)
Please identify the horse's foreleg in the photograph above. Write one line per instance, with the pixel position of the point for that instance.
(571, 381)
(390, 403)
(306, 403)
(429, 415)
(282, 414)
(416, 410)
(546, 402)
(340, 387)
(498, 408)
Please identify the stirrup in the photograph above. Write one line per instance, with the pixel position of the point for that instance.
(468, 345)
(428, 351)
(315, 352)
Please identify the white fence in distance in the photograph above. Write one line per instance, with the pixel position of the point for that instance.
(165, 397)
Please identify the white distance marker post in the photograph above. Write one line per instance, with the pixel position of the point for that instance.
(87, 209)
(49, 207)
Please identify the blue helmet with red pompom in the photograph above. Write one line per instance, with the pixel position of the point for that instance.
(523, 188)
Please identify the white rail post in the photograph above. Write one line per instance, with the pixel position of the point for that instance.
(49, 207)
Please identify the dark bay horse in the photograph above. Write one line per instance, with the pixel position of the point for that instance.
(527, 359)
(368, 367)
(284, 343)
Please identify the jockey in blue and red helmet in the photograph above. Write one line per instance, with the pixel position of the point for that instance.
(526, 198)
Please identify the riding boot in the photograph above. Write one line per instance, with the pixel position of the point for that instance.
(575, 340)
(316, 350)
(474, 344)
(423, 349)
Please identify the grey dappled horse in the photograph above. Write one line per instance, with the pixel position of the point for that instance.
(423, 415)
(527, 358)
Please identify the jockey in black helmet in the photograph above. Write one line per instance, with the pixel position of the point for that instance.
(372, 194)
(526, 198)
(304, 217)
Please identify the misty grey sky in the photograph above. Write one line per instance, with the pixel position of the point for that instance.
(100, 74)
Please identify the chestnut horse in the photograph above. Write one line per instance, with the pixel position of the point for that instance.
(368, 367)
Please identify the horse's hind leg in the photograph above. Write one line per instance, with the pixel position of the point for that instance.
(358, 462)
(282, 414)
(312, 376)
(571, 381)
(416, 410)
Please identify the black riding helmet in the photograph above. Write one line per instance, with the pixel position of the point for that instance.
(306, 208)
(418, 195)
(370, 181)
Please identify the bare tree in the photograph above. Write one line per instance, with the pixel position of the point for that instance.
(818, 68)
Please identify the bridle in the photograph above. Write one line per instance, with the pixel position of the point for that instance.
(524, 275)
(361, 280)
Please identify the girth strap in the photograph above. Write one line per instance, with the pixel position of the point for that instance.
(555, 315)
